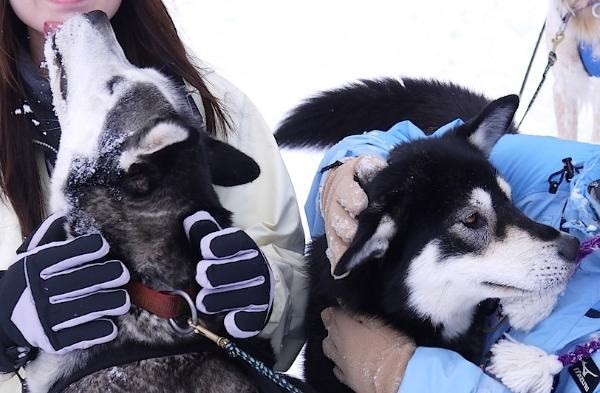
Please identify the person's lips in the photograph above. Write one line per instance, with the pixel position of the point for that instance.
(50, 26)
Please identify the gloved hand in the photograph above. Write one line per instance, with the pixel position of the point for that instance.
(369, 356)
(235, 276)
(57, 293)
(342, 199)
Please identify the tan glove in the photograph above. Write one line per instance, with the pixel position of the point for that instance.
(369, 356)
(342, 199)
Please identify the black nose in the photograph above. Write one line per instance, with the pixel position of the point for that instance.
(97, 17)
(568, 247)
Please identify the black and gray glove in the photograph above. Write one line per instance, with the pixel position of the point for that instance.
(57, 293)
(235, 276)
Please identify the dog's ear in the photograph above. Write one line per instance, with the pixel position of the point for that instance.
(229, 166)
(491, 124)
(375, 231)
(156, 139)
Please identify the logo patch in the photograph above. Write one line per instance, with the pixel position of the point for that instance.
(586, 375)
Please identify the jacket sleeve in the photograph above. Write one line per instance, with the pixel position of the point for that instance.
(439, 370)
(372, 143)
(268, 211)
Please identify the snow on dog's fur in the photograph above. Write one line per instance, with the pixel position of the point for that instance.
(440, 237)
(133, 163)
(573, 86)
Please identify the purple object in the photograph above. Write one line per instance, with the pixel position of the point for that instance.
(580, 352)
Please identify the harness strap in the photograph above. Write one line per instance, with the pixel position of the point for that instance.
(136, 352)
(129, 354)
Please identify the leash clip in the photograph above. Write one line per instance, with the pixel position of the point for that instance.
(557, 39)
(184, 331)
(201, 330)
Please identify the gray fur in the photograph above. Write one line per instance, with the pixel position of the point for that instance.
(186, 373)
(140, 210)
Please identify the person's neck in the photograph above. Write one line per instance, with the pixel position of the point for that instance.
(36, 49)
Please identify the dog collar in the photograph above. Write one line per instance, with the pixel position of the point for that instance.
(160, 303)
(590, 62)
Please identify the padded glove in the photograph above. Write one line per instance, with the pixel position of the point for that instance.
(235, 276)
(57, 293)
(342, 199)
(369, 356)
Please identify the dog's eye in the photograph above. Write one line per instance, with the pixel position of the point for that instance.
(473, 220)
(138, 181)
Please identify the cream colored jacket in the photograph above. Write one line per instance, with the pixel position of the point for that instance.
(266, 209)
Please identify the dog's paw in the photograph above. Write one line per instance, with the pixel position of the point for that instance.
(523, 368)
(525, 312)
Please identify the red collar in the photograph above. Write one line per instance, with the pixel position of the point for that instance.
(160, 303)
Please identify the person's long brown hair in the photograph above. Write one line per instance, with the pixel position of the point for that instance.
(149, 38)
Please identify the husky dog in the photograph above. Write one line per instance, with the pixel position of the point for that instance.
(440, 235)
(133, 163)
(577, 68)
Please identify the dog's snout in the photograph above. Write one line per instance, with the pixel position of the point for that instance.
(568, 247)
(97, 17)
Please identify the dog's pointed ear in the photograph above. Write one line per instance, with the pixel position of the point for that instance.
(156, 139)
(372, 240)
(229, 166)
(491, 124)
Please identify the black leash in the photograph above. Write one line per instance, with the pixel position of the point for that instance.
(257, 367)
(233, 351)
(551, 60)
(535, 49)
(552, 57)
(556, 40)
(264, 378)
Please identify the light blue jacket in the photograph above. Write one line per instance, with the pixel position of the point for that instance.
(526, 162)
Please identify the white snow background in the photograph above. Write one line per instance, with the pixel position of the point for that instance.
(280, 51)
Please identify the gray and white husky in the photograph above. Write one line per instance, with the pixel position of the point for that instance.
(133, 163)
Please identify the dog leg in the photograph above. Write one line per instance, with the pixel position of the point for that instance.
(565, 110)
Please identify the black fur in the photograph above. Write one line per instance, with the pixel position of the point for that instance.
(153, 165)
(368, 105)
(172, 183)
(425, 184)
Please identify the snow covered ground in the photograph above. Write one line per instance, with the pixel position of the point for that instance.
(281, 51)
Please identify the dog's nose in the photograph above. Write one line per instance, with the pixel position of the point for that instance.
(568, 247)
(97, 17)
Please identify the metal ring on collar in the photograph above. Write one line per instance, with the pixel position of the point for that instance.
(596, 10)
(194, 313)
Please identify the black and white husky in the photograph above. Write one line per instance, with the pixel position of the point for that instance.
(133, 163)
(440, 235)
